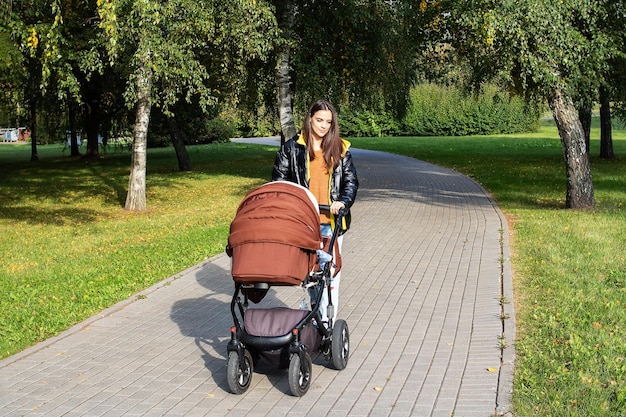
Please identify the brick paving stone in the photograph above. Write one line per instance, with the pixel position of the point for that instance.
(425, 268)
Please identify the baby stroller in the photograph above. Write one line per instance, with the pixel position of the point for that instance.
(275, 240)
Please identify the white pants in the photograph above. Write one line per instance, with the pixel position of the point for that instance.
(334, 281)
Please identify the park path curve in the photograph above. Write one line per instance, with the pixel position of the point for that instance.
(426, 292)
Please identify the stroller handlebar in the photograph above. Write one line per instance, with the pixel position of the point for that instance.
(326, 208)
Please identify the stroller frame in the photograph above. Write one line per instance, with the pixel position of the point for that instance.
(243, 347)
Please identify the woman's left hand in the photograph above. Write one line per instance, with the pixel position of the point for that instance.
(336, 206)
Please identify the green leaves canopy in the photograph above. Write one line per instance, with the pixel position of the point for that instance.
(182, 37)
(537, 45)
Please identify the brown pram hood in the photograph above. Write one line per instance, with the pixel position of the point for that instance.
(275, 235)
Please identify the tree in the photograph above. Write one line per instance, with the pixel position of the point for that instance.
(614, 86)
(57, 41)
(554, 50)
(606, 134)
(184, 163)
(136, 196)
(32, 33)
(163, 44)
(352, 52)
(286, 17)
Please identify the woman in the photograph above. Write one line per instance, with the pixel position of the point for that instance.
(320, 160)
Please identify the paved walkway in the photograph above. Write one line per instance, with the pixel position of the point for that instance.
(422, 286)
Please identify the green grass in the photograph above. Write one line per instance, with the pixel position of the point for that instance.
(569, 266)
(70, 249)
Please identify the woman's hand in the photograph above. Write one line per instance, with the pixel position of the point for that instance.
(336, 206)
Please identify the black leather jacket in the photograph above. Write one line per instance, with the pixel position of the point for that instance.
(291, 164)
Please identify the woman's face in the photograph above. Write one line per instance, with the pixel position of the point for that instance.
(321, 122)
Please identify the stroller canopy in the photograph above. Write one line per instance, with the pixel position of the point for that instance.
(275, 235)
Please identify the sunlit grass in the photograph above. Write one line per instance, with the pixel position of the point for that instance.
(569, 266)
(69, 249)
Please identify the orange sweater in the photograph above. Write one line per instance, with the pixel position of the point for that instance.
(319, 183)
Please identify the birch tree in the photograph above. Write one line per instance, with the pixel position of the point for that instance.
(351, 52)
(163, 44)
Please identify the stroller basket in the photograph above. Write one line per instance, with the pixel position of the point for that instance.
(271, 328)
(275, 235)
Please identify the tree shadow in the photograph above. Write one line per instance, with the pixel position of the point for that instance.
(414, 180)
(61, 184)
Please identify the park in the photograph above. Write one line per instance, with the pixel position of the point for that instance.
(80, 235)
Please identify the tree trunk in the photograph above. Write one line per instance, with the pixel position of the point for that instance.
(577, 167)
(585, 119)
(33, 129)
(606, 132)
(184, 163)
(92, 127)
(91, 92)
(283, 79)
(136, 197)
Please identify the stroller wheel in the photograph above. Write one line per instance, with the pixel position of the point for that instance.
(300, 374)
(340, 345)
(239, 374)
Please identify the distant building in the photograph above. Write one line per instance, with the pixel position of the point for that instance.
(11, 134)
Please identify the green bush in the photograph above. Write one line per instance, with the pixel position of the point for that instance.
(447, 111)
(434, 110)
(364, 123)
(219, 130)
(254, 125)
(195, 130)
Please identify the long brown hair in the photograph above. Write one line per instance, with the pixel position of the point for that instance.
(332, 146)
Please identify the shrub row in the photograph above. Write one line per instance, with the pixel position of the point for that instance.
(447, 111)
(432, 110)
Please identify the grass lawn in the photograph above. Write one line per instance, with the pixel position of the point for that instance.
(71, 250)
(569, 266)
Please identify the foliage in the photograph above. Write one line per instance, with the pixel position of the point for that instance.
(435, 110)
(448, 111)
(260, 123)
(342, 54)
(368, 123)
(194, 127)
(180, 36)
(536, 45)
(219, 130)
(354, 53)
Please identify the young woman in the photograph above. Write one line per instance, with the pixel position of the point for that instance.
(320, 160)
